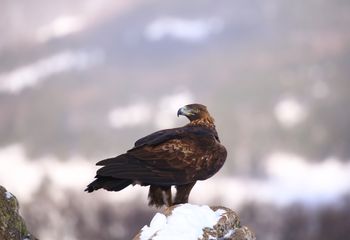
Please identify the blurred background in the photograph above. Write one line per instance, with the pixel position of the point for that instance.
(82, 80)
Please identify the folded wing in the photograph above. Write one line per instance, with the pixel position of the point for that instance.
(163, 158)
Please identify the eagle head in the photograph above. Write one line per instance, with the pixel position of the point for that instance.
(195, 112)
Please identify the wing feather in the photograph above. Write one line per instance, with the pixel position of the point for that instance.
(165, 157)
(160, 137)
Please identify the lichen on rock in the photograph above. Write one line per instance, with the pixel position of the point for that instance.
(12, 226)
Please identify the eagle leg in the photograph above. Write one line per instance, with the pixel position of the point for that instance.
(183, 192)
(159, 196)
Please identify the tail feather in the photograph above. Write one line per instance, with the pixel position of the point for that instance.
(108, 183)
(129, 167)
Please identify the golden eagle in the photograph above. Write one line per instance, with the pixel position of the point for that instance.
(172, 157)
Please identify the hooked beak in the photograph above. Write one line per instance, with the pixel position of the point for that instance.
(179, 112)
(184, 111)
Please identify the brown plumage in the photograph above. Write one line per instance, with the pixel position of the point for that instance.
(172, 157)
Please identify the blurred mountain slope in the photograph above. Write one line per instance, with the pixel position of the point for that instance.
(254, 56)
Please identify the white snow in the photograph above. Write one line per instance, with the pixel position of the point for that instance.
(162, 114)
(157, 223)
(289, 112)
(24, 176)
(32, 74)
(60, 27)
(187, 30)
(290, 179)
(168, 106)
(133, 115)
(186, 223)
(8, 195)
(296, 179)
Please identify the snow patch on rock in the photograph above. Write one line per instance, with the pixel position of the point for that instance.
(186, 222)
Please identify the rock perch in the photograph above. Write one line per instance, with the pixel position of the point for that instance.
(194, 222)
(12, 226)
